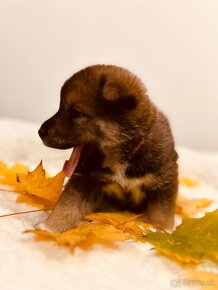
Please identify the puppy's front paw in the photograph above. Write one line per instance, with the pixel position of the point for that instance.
(59, 224)
(161, 222)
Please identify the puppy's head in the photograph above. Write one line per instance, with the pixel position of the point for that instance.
(100, 105)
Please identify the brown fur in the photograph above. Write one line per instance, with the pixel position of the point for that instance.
(128, 156)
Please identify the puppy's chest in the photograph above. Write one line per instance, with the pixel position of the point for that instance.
(126, 189)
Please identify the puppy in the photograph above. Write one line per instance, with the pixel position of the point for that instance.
(123, 148)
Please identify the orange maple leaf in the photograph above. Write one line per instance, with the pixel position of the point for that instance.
(8, 175)
(187, 207)
(103, 228)
(84, 236)
(37, 190)
(125, 221)
(201, 279)
(188, 182)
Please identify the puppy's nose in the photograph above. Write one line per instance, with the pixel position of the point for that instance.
(42, 132)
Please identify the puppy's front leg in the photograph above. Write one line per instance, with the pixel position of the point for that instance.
(160, 208)
(76, 201)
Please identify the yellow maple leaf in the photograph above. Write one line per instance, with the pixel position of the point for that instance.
(125, 221)
(37, 190)
(102, 228)
(188, 182)
(34, 188)
(84, 236)
(8, 175)
(201, 279)
(193, 241)
(188, 207)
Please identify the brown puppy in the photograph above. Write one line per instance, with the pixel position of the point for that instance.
(123, 146)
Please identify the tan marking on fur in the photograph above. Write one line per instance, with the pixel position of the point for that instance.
(137, 195)
(114, 188)
(129, 183)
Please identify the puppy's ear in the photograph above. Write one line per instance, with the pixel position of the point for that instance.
(111, 92)
(115, 95)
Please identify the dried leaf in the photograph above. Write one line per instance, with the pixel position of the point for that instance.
(84, 236)
(202, 279)
(125, 221)
(37, 190)
(104, 228)
(188, 182)
(194, 241)
(8, 176)
(113, 218)
(187, 207)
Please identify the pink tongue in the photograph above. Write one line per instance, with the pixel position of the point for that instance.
(70, 165)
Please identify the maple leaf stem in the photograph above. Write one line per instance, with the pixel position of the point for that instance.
(8, 190)
(24, 212)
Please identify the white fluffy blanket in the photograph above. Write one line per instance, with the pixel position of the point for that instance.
(27, 264)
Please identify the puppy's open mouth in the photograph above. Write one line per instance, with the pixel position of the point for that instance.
(71, 164)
